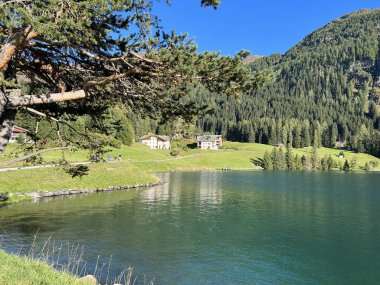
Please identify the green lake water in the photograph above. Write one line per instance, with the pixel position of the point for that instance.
(219, 228)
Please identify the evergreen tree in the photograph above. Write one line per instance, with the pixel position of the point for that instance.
(297, 136)
(306, 163)
(314, 158)
(299, 164)
(267, 161)
(273, 135)
(281, 160)
(290, 159)
(346, 166)
(330, 163)
(251, 135)
(317, 139)
(324, 163)
(275, 159)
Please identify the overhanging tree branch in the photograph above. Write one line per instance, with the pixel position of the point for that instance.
(28, 100)
(13, 161)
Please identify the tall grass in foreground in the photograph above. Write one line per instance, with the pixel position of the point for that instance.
(52, 263)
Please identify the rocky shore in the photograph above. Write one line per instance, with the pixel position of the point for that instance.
(45, 194)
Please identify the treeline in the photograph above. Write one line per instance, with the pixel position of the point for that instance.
(277, 159)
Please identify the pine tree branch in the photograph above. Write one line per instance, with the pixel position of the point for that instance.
(28, 100)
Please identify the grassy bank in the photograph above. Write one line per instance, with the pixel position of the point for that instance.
(25, 271)
(138, 161)
(99, 176)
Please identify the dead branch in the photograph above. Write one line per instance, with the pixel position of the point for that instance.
(30, 110)
(29, 100)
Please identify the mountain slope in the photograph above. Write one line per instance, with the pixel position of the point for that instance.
(329, 83)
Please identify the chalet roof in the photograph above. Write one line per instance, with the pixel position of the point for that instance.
(17, 129)
(208, 138)
(162, 138)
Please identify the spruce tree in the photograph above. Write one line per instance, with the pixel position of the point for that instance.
(267, 161)
(346, 166)
(290, 159)
(281, 161)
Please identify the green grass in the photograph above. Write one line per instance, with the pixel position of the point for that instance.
(100, 176)
(25, 271)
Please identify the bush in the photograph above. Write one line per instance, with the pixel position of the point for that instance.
(370, 165)
(184, 145)
(116, 143)
(47, 130)
(126, 133)
(20, 139)
(175, 152)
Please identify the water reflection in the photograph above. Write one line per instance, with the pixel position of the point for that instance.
(210, 190)
(206, 185)
(159, 193)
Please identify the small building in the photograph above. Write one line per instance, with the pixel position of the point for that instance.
(281, 145)
(156, 141)
(18, 134)
(209, 142)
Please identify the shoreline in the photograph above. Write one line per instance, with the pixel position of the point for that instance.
(39, 194)
(14, 198)
(47, 194)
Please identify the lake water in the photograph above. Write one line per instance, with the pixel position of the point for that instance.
(220, 228)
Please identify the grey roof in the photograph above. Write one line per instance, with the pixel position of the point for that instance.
(163, 138)
(208, 138)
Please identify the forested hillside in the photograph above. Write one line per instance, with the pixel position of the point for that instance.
(327, 86)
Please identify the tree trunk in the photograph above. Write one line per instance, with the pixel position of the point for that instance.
(7, 52)
(9, 49)
(7, 117)
(3, 103)
(6, 123)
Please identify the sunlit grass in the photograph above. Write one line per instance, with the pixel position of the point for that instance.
(26, 271)
(100, 175)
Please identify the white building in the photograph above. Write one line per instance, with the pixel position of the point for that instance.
(209, 141)
(18, 133)
(156, 142)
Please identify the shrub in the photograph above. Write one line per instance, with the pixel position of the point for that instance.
(116, 143)
(20, 139)
(175, 152)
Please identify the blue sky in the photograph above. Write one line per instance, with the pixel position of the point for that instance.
(263, 27)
